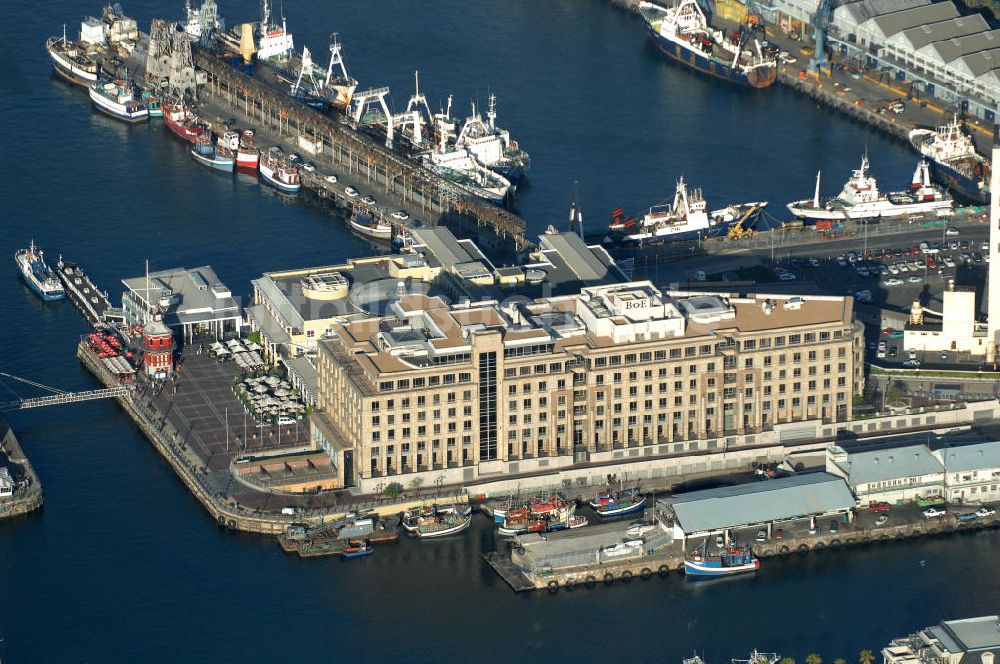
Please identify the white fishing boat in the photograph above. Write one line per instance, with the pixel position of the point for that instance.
(117, 99)
(493, 147)
(72, 61)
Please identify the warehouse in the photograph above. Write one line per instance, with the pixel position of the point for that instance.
(893, 475)
(756, 505)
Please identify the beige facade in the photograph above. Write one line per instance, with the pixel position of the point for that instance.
(430, 387)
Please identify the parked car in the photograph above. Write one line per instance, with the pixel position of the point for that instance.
(351, 192)
(402, 215)
(968, 516)
(944, 355)
(332, 179)
(914, 279)
(309, 166)
(786, 276)
(933, 512)
(370, 200)
(951, 230)
(761, 536)
(880, 506)
(985, 511)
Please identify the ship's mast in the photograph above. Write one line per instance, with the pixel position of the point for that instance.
(492, 113)
(265, 15)
(335, 59)
(816, 194)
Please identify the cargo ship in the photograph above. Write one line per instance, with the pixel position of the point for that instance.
(275, 171)
(181, 120)
(72, 62)
(117, 99)
(861, 199)
(215, 157)
(954, 160)
(37, 275)
(684, 35)
(730, 560)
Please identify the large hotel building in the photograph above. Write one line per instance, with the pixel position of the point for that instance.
(435, 393)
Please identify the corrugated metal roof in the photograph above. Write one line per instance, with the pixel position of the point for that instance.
(975, 634)
(850, 15)
(890, 464)
(922, 35)
(578, 256)
(442, 245)
(951, 49)
(891, 23)
(760, 502)
(971, 457)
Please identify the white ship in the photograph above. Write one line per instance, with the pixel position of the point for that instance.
(459, 167)
(201, 21)
(685, 218)
(117, 99)
(72, 61)
(861, 199)
(954, 160)
(493, 147)
(273, 42)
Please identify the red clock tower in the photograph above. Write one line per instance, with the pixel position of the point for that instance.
(157, 349)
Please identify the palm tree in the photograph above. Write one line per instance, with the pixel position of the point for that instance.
(840, 660)
(866, 657)
(787, 660)
(814, 658)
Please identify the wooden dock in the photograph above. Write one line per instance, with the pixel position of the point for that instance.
(353, 151)
(508, 571)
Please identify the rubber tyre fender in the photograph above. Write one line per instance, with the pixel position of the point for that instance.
(520, 550)
(803, 548)
(609, 578)
(783, 549)
(627, 576)
(663, 570)
(646, 573)
(591, 580)
(553, 586)
(232, 524)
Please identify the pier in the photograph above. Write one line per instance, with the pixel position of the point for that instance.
(355, 153)
(92, 302)
(26, 494)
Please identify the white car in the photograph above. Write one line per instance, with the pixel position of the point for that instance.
(285, 419)
(402, 215)
(985, 511)
(948, 261)
(332, 179)
(786, 276)
(932, 512)
(351, 192)
(903, 267)
(309, 166)
(369, 200)
(951, 231)
(913, 279)
(893, 269)
(894, 281)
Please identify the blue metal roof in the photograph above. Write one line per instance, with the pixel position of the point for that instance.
(759, 502)
(890, 464)
(971, 457)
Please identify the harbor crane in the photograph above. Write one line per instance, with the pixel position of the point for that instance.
(58, 397)
(821, 23)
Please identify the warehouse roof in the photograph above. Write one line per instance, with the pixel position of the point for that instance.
(888, 464)
(850, 15)
(951, 49)
(970, 457)
(887, 25)
(922, 35)
(759, 502)
(968, 635)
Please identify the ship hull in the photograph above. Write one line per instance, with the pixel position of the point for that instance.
(215, 162)
(803, 210)
(757, 78)
(71, 73)
(962, 186)
(132, 113)
(705, 570)
(47, 296)
(621, 511)
(268, 177)
(454, 530)
(376, 233)
(180, 129)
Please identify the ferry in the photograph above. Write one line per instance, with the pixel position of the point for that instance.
(71, 61)
(954, 160)
(684, 35)
(117, 99)
(731, 560)
(861, 199)
(366, 223)
(215, 157)
(37, 275)
(620, 503)
(180, 119)
(247, 154)
(279, 174)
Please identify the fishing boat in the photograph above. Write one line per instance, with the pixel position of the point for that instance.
(861, 199)
(371, 225)
(443, 522)
(459, 167)
(247, 154)
(357, 550)
(954, 161)
(411, 518)
(322, 91)
(683, 34)
(181, 120)
(37, 275)
(215, 157)
(493, 147)
(71, 61)
(731, 560)
(278, 173)
(274, 42)
(618, 503)
(117, 99)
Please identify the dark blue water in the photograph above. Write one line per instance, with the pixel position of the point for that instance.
(122, 565)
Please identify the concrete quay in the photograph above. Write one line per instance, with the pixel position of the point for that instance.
(28, 495)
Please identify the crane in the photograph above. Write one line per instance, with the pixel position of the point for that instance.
(742, 230)
(821, 22)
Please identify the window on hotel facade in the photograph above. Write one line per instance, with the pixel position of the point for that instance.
(385, 386)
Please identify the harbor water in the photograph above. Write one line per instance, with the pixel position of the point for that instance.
(123, 565)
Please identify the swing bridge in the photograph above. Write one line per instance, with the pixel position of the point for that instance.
(57, 398)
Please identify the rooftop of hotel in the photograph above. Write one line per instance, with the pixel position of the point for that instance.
(421, 330)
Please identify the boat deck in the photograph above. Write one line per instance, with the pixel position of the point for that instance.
(92, 302)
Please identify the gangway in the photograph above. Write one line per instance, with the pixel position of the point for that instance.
(59, 397)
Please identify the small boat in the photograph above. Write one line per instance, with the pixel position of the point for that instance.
(37, 275)
(366, 223)
(72, 61)
(247, 154)
(215, 157)
(731, 560)
(180, 119)
(275, 171)
(411, 518)
(357, 550)
(117, 99)
(152, 104)
(624, 501)
(443, 523)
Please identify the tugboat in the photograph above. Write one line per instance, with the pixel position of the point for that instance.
(275, 171)
(954, 160)
(861, 199)
(215, 157)
(624, 501)
(683, 34)
(117, 99)
(180, 119)
(71, 61)
(37, 275)
(731, 560)
(247, 154)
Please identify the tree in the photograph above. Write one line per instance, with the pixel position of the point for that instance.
(866, 657)
(787, 660)
(840, 660)
(814, 658)
(393, 490)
